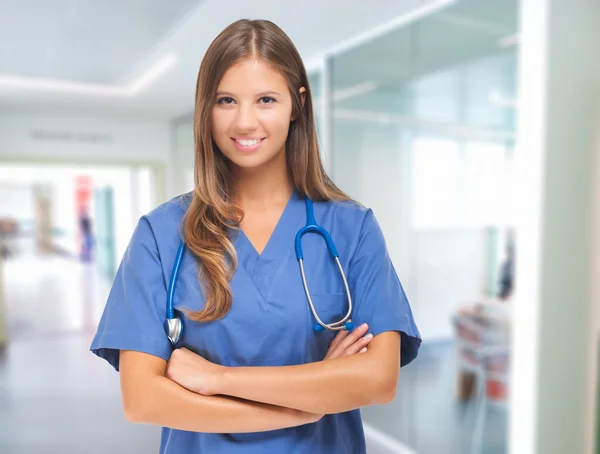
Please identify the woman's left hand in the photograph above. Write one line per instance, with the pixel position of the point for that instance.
(193, 372)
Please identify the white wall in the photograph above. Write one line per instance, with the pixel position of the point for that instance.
(183, 157)
(593, 385)
(63, 216)
(554, 162)
(16, 201)
(449, 271)
(98, 140)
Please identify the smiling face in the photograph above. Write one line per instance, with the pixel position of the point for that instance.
(251, 114)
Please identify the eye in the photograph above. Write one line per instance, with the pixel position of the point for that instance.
(267, 100)
(225, 100)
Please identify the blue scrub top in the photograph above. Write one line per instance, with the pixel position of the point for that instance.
(269, 323)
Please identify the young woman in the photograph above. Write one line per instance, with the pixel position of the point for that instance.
(255, 370)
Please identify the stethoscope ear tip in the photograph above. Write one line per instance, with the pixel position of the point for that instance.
(348, 326)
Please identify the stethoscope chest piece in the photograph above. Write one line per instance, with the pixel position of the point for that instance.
(174, 329)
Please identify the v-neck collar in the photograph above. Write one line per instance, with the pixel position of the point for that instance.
(262, 268)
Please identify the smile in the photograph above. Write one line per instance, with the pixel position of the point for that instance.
(248, 144)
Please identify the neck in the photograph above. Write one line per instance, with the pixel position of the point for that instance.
(265, 184)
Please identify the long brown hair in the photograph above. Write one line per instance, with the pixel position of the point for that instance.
(212, 211)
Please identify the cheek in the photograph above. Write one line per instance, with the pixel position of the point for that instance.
(277, 123)
(219, 123)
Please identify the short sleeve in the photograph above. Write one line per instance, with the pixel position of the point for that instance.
(135, 311)
(377, 293)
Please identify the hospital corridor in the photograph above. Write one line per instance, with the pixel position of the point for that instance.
(467, 130)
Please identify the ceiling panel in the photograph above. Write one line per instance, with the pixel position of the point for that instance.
(446, 67)
(84, 40)
(462, 33)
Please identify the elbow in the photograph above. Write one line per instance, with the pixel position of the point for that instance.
(388, 394)
(133, 412)
(141, 376)
(385, 386)
(382, 364)
(137, 410)
(130, 415)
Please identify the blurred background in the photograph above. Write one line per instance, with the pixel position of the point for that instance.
(469, 126)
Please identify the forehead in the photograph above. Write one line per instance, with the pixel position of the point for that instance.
(252, 76)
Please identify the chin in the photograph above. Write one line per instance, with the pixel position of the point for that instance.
(251, 160)
(248, 162)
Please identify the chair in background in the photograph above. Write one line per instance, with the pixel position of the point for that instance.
(483, 348)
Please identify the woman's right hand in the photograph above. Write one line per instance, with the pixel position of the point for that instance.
(349, 343)
(344, 344)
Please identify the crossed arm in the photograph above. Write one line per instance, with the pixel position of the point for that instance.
(323, 387)
(190, 393)
(151, 398)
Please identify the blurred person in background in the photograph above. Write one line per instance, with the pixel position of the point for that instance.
(507, 270)
(87, 238)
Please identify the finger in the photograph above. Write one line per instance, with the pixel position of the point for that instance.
(335, 342)
(350, 339)
(341, 335)
(338, 338)
(358, 345)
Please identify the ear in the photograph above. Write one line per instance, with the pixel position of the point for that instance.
(303, 95)
(302, 98)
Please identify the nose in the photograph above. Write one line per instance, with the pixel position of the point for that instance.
(247, 119)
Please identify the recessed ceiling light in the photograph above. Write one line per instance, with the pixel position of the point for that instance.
(41, 84)
(509, 41)
(153, 73)
(121, 91)
(500, 100)
(343, 94)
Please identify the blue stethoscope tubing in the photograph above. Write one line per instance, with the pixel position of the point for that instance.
(174, 325)
(312, 226)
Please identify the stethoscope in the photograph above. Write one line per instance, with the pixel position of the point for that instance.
(174, 324)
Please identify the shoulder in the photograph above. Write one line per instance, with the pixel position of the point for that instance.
(351, 213)
(164, 221)
(172, 210)
(349, 222)
(358, 225)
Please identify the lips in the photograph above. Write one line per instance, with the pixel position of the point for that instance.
(248, 144)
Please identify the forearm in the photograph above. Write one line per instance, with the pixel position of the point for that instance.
(324, 387)
(167, 404)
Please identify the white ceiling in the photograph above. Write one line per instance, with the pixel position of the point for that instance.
(115, 41)
(93, 41)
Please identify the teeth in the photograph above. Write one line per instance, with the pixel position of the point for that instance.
(248, 143)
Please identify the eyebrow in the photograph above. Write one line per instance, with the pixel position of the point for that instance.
(264, 93)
